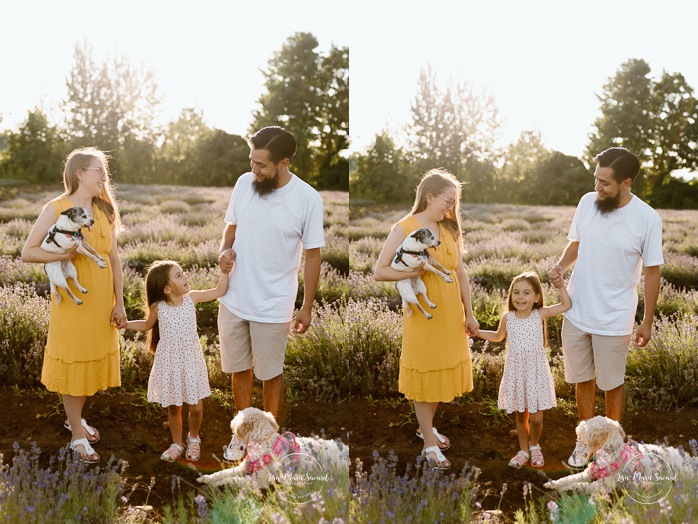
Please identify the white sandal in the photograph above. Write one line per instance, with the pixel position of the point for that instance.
(193, 448)
(90, 456)
(93, 435)
(443, 442)
(537, 460)
(519, 460)
(441, 463)
(172, 453)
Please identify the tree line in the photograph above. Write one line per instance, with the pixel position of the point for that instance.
(457, 128)
(113, 106)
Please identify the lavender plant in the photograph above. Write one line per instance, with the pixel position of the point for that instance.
(421, 494)
(65, 491)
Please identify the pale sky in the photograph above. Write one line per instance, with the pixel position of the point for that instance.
(542, 60)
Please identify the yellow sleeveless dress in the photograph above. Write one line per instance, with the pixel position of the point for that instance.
(82, 350)
(435, 364)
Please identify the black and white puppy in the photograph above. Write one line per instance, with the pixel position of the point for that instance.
(62, 236)
(411, 253)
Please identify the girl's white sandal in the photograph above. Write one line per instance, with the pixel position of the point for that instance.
(172, 453)
(519, 460)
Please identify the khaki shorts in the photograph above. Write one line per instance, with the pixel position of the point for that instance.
(251, 345)
(588, 357)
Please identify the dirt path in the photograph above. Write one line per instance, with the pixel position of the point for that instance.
(133, 431)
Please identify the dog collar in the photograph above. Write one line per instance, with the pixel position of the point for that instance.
(51, 237)
(606, 470)
(401, 251)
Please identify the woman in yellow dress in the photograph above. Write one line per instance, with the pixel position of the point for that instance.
(435, 364)
(82, 350)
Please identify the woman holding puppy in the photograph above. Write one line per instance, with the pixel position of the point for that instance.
(82, 349)
(435, 364)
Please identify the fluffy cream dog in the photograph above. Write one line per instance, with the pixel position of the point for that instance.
(257, 442)
(617, 462)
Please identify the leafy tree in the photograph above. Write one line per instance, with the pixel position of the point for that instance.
(655, 119)
(307, 93)
(382, 173)
(334, 134)
(35, 152)
(112, 106)
(221, 159)
(517, 180)
(532, 174)
(178, 157)
(454, 128)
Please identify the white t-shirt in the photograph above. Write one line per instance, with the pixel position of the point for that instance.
(272, 230)
(612, 250)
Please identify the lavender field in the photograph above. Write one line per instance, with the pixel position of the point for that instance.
(352, 350)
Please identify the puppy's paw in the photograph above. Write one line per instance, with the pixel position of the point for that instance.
(433, 306)
(102, 264)
(549, 485)
(78, 302)
(429, 317)
(83, 291)
(448, 279)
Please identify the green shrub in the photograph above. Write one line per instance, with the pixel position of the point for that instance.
(352, 348)
(664, 375)
(681, 270)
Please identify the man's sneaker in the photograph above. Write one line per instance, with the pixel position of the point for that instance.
(580, 456)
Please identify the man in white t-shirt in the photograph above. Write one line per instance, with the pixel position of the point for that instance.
(613, 235)
(273, 217)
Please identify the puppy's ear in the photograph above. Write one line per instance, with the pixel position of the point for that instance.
(271, 420)
(71, 212)
(598, 433)
(244, 427)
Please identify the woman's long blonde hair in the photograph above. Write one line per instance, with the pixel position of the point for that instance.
(434, 182)
(80, 159)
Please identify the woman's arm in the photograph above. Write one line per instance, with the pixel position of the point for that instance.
(495, 336)
(118, 313)
(383, 271)
(148, 323)
(471, 323)
(32, 251)
(206, 295)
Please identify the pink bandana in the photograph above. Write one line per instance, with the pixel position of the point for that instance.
(599, 470)
(283, 444)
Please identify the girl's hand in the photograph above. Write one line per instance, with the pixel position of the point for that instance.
(118, 317)
(226, 260)
(472, 326)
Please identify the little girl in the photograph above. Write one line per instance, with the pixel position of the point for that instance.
(527, 383)
(179, 371)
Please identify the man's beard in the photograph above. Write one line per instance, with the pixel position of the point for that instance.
(608, 204)
(266, 186)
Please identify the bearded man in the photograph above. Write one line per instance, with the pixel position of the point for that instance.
(273, 216)
(613, 235)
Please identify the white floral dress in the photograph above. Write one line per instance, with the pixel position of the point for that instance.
(179, 373)
(527, 383)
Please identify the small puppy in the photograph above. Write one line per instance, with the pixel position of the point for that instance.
(256, 440)
(61, 237)
(411, 253)
(616, 462)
